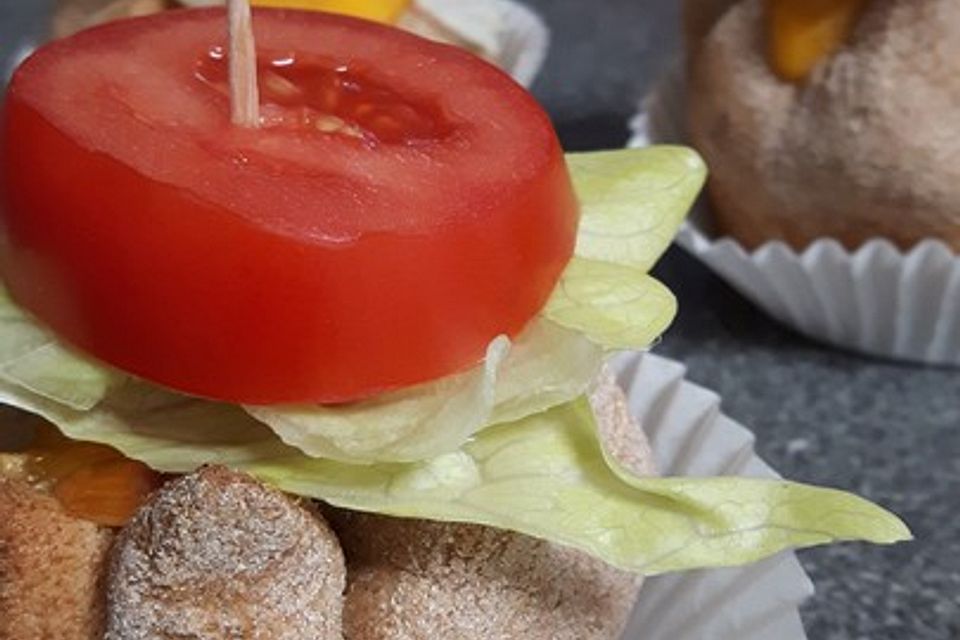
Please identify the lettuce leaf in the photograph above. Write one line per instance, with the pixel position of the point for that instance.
(149, 423)
(545, 476)
(616, 306)
(633, 201)
(403, 426)
(632, 204)
(547, 365)
(32, 357)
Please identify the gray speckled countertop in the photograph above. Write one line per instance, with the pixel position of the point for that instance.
(886, 431)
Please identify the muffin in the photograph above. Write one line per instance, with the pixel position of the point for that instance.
(699, 17)
(828, 119)
(216, 554)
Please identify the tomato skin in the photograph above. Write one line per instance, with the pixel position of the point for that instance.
(195, 292)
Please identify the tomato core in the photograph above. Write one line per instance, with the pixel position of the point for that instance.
(309, 93)
(403, 204)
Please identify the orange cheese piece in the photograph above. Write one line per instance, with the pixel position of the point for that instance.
(92, 482)
(802, 32)
(387, 11)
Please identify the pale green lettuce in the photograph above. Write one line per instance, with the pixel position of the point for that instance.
(32, 357)
(613, 305)
(546, 366)
(545, 475)
(632, 204)
(633, 201)
(405, 425)
(169, 431)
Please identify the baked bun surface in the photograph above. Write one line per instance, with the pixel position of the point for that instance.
(698, 18)
(218, 555)
(215, 554)
(865, 148)
(414, 580)
(51, 568)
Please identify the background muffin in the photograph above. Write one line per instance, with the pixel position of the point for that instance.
(860, 148)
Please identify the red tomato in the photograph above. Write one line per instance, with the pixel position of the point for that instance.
(403, 204)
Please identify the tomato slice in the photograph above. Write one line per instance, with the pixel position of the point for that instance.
(403, 204)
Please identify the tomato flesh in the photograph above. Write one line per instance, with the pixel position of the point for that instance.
(403, 204)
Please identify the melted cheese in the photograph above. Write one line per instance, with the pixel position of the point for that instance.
(380, 10)
(803, 32)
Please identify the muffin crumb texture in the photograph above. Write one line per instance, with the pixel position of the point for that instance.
(51, 567)
(418, 580)
(217, 555)
(865, 148)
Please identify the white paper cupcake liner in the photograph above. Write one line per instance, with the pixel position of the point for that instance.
(877, 300)
(506, 32)
(691, 437)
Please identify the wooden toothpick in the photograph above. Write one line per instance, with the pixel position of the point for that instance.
(244, 92)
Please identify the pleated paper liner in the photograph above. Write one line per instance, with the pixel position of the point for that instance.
(691, 437)
(878, 300)
(506, 32)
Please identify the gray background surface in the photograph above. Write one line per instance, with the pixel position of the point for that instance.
(887, 431)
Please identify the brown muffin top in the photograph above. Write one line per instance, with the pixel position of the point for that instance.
(217, 555)
(51, 568)
(864, 148)
(417, 580)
